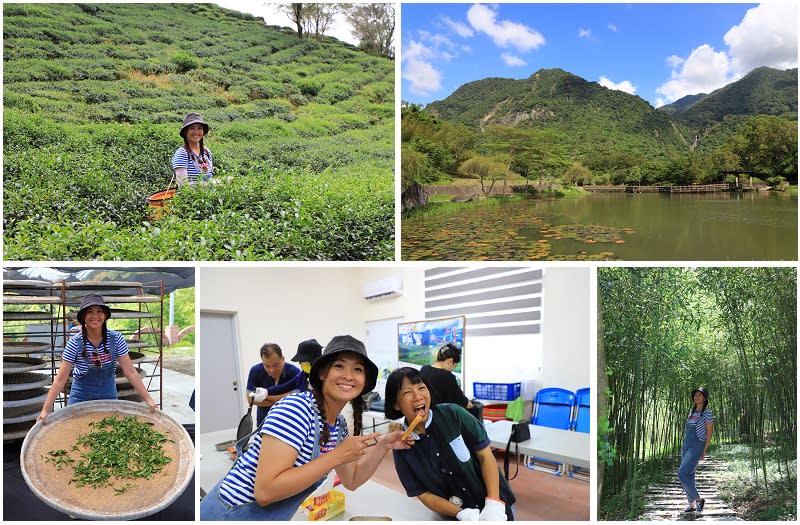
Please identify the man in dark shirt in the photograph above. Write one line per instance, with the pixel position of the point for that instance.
(274, 374)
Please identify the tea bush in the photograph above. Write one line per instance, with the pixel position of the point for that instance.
(302, 136)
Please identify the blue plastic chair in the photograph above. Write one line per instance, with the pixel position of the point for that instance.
(581, 421)
(552, 407)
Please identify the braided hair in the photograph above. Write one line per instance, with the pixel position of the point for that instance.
(358, 409)
(103, 344)
(189, 151)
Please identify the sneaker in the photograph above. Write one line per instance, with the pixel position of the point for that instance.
(700, 504)
(688, 509)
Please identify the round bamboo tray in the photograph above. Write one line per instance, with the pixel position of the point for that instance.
(146, 497)
(17, 365)
(24, 347)
(121, 313)
(30, 416)
(27, 316)
(24, 381)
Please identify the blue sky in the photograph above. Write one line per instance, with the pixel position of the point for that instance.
(660, 52)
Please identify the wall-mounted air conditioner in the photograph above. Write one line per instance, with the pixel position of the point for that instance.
(390, 287)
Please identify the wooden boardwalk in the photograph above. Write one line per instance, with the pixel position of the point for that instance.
(666, 501)
(693, 188)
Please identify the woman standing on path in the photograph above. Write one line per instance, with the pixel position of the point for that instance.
(696, 439)
(192, 160)
(91, 358)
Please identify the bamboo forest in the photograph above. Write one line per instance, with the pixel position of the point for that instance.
(663, 332)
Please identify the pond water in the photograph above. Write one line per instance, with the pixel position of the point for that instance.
(749, 226)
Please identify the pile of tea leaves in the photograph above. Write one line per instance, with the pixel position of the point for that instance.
(116, 450)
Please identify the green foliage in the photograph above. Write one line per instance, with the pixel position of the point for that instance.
(666, 331)
(93, 99)
(743, 491)
(763, 91)
(553, 120)
(184, 62)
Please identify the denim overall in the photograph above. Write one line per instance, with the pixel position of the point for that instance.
(214, 508)
(98, 382)
(690, 456)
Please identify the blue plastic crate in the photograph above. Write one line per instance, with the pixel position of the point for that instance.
(496, 391)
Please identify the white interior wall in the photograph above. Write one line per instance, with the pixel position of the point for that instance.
(565, 361)
(284, 306)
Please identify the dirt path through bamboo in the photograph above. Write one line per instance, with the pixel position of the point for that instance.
(666, 501)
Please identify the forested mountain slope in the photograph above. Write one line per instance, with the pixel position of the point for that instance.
(763, 91)
(584, 113)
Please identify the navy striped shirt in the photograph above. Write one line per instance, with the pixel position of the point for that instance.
(73, 352)
(700, 419)
(194, 165)
(291, 421)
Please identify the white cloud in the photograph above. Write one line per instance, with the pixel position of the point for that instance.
(504, 33)
(447, 57)
(625, 85)
(417, 51)
(424, 79)
(513, 61)
(584, 33)
(612, 27)
(766, 36)
(660, 102)
(674, 61)
(704, 71)
(458, 28)
(437, 39)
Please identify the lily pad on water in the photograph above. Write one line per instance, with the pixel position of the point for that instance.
(479, 233)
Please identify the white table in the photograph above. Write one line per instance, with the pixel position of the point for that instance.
(370, 499)
(213, 463)
(374, 499)
(562, 446)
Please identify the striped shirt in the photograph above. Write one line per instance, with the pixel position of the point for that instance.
(291, 421)
(73, 352)
(700, 419)
(194, 165)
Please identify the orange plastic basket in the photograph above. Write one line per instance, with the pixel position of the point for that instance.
(159, 203)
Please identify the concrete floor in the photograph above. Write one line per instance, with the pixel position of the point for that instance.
(176, 394)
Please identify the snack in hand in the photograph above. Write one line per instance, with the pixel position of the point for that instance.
(411, 427)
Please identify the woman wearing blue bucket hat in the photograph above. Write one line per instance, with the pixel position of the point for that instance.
(91, 359)
(192, 161)
(302, 438)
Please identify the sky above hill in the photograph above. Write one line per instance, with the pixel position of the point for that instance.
(272, 15)
(660, 52)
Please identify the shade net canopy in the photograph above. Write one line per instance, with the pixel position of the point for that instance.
(151, 278)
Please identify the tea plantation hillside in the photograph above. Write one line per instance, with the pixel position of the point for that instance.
(302, 133)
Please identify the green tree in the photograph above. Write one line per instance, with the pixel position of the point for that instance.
(770, 146)
(373, 25)
(296, 13)
(487, 170)
(317, 18)
(578, 174)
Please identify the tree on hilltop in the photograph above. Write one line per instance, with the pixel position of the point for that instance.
(373, 25)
